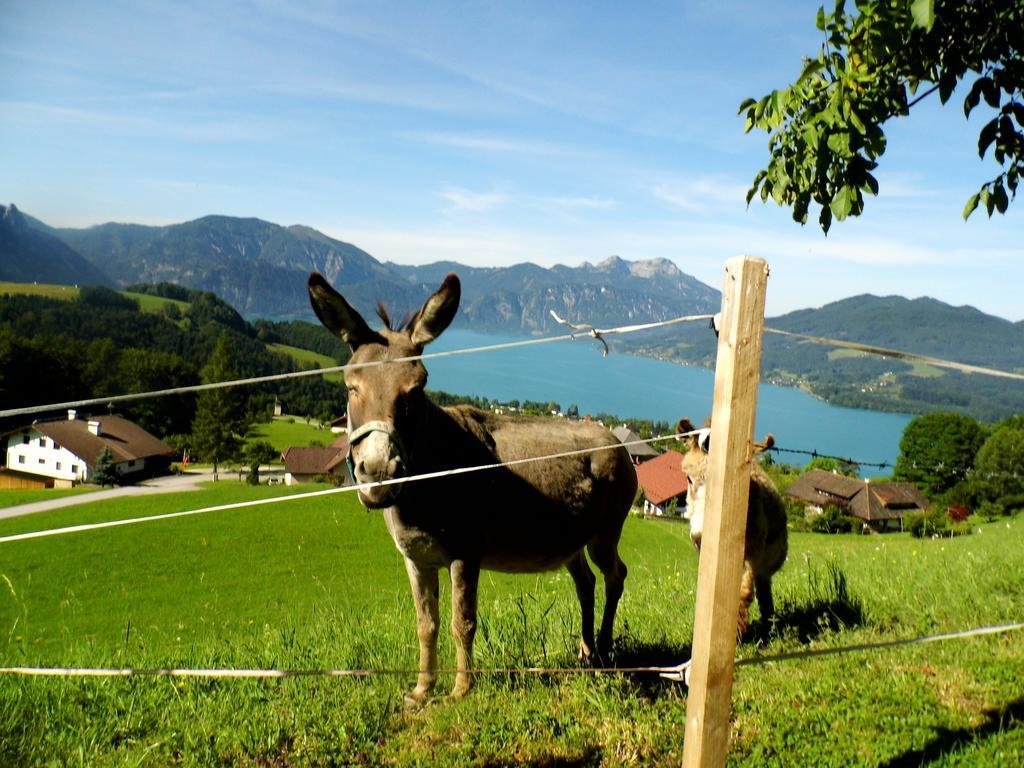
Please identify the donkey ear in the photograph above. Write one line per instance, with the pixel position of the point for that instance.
(337, 314)
(437, 313)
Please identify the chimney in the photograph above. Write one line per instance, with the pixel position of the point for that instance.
(94, 427)
(72, 414)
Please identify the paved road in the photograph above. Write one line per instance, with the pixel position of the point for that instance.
(169, 484)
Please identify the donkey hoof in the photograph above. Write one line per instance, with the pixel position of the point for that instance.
(460, 691)
(416, 699)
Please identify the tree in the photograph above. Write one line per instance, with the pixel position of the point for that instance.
(256, 453)
(104, 473)
(825, 130)
(220, 421)
(998, 476)
(831, 465)
(937, 451)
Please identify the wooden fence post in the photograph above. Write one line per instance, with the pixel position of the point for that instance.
(737, 372)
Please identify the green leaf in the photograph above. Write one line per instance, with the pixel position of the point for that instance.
(972, 203)
(747, 104)
(871, 182)
(974, 95)
(923, 12)
(857, 122)
(987, 136)
(999, 197)
(841, 203)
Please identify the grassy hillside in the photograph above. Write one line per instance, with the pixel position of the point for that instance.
(317, 583)
(149, 303)
(66, 292)
(286, 431)
(307, 359)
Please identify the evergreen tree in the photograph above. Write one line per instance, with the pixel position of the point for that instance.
(104, 474)
(221, 414)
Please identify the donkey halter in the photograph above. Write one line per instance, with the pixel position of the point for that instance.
(357, 435)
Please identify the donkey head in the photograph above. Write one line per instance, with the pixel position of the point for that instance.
(695, 467)
(387, 404)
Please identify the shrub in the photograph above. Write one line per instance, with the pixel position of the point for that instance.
(833, 520)
(796, 514)
(925, 524)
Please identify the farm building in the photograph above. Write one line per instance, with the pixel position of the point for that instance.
(662, 481)
(640, 452)
(877, 504)
(309, 464)
(63, 452)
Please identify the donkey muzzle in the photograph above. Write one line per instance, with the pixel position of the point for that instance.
(376, 454)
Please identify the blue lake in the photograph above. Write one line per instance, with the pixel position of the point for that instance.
(574, 372)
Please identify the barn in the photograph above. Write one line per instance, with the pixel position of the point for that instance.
(64, 452)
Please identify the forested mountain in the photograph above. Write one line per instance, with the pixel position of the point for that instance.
(29, 254)
(101, 344)
(261, 269)
(923, 326)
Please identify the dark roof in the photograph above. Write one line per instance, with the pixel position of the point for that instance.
(126, 439)
(868, 501)
(641, 450)
(662, 478)
(313, 460)
(821, 486)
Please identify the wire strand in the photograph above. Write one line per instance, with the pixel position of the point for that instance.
(675, 672)
(911, 357)
(27, 410)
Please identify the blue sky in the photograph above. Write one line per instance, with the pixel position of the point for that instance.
(490, 133)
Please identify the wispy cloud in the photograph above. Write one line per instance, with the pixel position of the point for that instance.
(697, 195)
(167, 127)
(475, 202)
(484, 143)
(580, 203)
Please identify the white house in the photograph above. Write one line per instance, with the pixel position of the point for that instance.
(64, 452)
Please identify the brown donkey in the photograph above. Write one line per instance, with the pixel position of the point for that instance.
(767, 537)
(534, 516)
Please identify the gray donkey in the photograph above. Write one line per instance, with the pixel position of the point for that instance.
(530, 517)
(767, 536)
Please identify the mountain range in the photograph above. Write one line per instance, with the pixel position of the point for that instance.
(261, 268)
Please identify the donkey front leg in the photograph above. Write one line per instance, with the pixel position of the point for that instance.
(423, 580)
(465, 577)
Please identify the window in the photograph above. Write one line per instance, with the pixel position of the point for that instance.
(131, 463)
(24, 438)
(56, 445)
(42, 461)
(74, 469)
(42, 442)
(58, 466)
(21, 459)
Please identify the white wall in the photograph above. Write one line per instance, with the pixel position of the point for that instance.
(43, 459)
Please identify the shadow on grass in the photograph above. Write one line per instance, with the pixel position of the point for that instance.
(947, 741)
(828, 607)
(650, 685)
(590, 758)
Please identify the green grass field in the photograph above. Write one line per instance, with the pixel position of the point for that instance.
(150, 303)
(67, 292)
(317, 583)
(921, 370)
(308, 359)
(285, 431)
(10, 497)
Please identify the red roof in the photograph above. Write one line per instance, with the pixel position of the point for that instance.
(662, 478)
